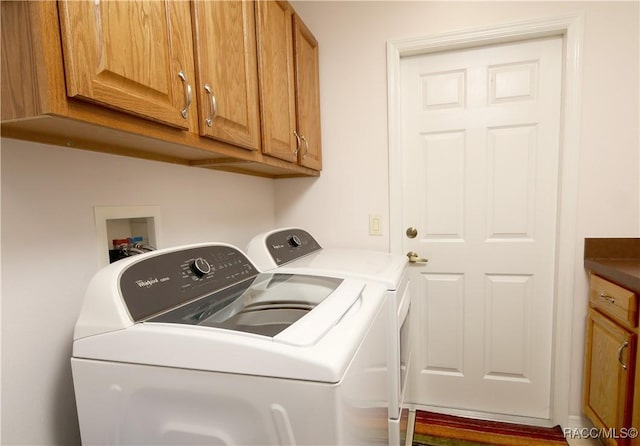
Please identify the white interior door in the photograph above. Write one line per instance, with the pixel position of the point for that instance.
(480, 150)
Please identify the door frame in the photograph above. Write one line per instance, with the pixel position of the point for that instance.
(570, 28)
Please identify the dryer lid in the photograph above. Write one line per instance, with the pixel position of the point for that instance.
(295, 250)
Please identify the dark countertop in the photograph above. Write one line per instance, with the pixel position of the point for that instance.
(615, 259)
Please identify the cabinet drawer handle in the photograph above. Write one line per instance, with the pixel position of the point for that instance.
(608, 298)
(624, 345)
(214, 105)
(297, 143)
(306, 147)
(187, 93)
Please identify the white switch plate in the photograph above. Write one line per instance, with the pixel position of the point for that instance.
(375, 224)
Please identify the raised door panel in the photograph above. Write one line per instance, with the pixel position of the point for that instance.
(275, 67)
(307, 95)
(227, 72)
(134, 56)
(608, 383)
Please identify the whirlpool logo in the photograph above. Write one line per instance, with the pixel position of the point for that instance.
(151, 281)
(147, 283)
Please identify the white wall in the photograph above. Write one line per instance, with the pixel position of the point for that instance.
(354, 182)
(49, 253)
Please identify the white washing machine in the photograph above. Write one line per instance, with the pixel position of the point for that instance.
(192, 345)
(294, 250)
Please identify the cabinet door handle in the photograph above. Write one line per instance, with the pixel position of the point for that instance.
(608, 298)
(306, 146)
(214, 105)
(297, 143)
(624, 345)
(187, 93)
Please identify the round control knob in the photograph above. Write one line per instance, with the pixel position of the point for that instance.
(294, 241)
(200, 267)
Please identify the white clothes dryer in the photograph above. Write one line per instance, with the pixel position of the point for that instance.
(294, 250)
(192, 345)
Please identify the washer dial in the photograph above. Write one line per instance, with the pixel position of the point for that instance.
(200, 267)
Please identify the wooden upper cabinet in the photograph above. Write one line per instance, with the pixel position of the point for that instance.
(227, 72)
(277, 90)
(307, 94)
(128, 77)
(134, 56)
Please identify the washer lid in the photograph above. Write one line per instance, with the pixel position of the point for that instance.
(319, 347)
(270, 304)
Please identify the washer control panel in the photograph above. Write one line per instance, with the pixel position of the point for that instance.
(158, 283)
(290, 244)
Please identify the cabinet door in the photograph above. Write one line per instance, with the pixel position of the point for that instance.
(227, 72)
(307, 95)
(608, 384)
(275, 66)
(135, 56)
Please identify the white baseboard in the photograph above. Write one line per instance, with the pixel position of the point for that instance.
(485, 415)
(573, 421)
(578, 422)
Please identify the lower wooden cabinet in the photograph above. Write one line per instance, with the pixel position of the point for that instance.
(610, 363)
(609, 372)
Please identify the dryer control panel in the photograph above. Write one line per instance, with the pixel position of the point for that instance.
(290, 244)
(161, 282)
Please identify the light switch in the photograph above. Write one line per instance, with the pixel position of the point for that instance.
(375, 224)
